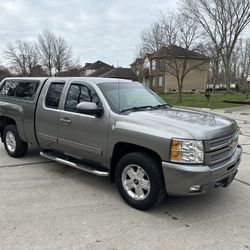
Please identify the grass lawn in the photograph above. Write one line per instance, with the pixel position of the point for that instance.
(199, 100)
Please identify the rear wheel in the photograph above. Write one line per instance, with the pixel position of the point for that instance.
(139, 180)
(13, 144)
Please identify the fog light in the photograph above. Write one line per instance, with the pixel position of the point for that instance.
(195, 189)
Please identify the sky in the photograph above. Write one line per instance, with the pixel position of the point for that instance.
(106, 30)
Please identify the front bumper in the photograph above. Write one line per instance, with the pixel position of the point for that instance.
(179, 178)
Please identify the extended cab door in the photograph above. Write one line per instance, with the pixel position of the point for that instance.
(47, 113)
(82, 136)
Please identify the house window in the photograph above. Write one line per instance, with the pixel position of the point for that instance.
(153, 81)
(160, 81)
(161, 64)
(153, 64)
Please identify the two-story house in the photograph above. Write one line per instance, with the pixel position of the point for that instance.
(158, 70)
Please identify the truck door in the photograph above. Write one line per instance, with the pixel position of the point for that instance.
(82, 136)
(47, 113)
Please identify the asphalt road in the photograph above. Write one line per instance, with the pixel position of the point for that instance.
(45, 205)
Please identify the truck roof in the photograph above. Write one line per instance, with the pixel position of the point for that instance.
(94, 80)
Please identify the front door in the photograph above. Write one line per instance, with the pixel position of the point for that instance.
(79, 135)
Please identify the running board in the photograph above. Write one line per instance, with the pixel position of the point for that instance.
(88, 169)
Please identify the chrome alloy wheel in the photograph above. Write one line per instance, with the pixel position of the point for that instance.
(135, 182)
(10, 141)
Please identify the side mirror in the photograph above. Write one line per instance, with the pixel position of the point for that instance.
(89, 108)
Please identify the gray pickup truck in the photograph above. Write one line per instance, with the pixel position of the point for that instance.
(119, 128)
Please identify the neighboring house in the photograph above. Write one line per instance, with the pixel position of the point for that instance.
(38, 71)
(123, 73)
(154, 70)
(137, 68)
(90, 68)
(101, 69)
(71, 72)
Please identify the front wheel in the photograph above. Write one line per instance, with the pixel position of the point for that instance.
(139, 180)
(13, 144)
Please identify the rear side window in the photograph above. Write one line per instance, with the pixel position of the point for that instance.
(54, 94)
(24, 90)
(8, 88)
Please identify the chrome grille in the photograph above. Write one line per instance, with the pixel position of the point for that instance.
(221, 148)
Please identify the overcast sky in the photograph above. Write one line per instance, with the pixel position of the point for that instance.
(105, 30)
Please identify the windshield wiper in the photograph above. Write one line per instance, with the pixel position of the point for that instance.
(162, 105)
(139, 108)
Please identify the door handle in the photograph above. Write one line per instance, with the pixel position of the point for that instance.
(65, 120)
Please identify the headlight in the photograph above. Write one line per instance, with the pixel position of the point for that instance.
(186, 151)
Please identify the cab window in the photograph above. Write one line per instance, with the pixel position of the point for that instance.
(80, 93)
(54, 94)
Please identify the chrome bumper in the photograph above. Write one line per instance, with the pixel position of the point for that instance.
(179, 178)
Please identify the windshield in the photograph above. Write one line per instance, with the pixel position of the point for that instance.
(132, 95)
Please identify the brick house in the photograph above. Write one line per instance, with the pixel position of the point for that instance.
(154, 70)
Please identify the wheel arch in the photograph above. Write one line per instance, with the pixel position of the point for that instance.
(5, 121)
(123, 148)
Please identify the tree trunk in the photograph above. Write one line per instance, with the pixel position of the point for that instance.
(180, 90)
(227, 72)
(180, 96)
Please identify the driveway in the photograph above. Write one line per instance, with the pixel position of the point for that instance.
(46, 205)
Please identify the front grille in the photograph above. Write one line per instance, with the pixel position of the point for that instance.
(221, 148)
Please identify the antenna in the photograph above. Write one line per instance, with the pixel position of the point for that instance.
(118, 86)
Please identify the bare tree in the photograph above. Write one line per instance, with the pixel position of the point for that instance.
(223, 21)
(4, 72)
(22, 56)
(45, 47)
(62, 54)
(241, 62)
(181, 34)
(215, 64)
(168, 26)
(152, 38)
(180, 66)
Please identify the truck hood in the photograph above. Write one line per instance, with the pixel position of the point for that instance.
(197, 124)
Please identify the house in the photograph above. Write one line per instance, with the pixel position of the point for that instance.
(157, 70)
(90, 68)
(100, 69)
(124, 73)
(71, 72)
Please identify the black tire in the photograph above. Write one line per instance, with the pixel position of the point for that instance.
(152, 168)
(20, 147)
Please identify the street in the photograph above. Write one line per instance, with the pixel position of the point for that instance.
(46, 205)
